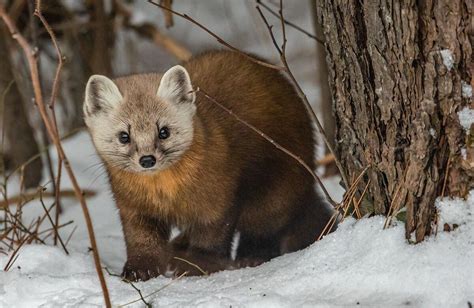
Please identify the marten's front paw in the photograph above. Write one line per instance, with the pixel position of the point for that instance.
(249, 262)
(141, 269)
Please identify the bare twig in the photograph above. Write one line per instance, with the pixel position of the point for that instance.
(154, 292)
(310, 110)
(271, 11)
(273, 142)
(54, 93)
(14, 255)
(219, 39)
(33, 65)
(270, 29)
(59, 227)
(70, 235)
(29, 196)
(55, 226)
(132, 284)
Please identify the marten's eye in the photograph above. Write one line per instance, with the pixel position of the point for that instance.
(164, 132)
(124, 138)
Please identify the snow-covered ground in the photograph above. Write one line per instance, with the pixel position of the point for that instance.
(359, 264)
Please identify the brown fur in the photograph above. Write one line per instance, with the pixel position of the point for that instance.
(229, 179)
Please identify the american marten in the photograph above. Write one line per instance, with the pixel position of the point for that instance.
(196, 190)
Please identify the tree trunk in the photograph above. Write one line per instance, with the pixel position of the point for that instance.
(324, 97)
(397, 69)
(20, 144)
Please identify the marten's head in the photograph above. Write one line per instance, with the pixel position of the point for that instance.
(140, 128)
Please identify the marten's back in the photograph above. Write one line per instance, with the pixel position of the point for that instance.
(259, 95)
(274, 191)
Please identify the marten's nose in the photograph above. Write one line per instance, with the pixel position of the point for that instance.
(147, 161)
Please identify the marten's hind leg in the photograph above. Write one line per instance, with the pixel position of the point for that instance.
(309, 222)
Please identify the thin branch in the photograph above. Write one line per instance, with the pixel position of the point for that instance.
(14, 255)
(29, 53)
(283, 30)
(273, 142)
(313, 116)
(270, 28)
(132, 284)
(70, 235)
(54, 93)
(55, 226)
(218, 38)
(289, 23)
(154, 292)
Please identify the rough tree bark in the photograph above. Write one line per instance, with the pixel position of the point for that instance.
(20, 144)
(396, 71)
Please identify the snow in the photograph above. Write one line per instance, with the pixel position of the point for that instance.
(359, 264)
(466, 89)
(466, 117)
(139, 17)
(447, 57)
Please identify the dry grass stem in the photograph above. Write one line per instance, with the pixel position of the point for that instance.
(391, 209)
(193, 264)
(357, 205)
(445, 181)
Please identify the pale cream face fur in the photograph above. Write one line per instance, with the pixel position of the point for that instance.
(141, 112)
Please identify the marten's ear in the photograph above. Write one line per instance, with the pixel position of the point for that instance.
(176, 86)
(101, 95)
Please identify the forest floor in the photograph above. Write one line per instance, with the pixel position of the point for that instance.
(359, 264)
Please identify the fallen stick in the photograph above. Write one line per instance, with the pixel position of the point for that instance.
(68, 193)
